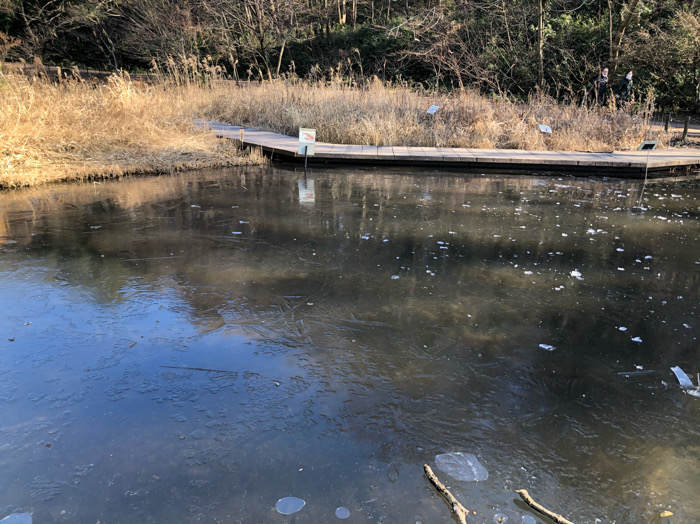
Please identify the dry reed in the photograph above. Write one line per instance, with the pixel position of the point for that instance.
(76, 130)
(381, 114)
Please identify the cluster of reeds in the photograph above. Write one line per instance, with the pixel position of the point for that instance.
(377, 113)
(75, 129)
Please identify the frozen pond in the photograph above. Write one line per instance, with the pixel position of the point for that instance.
(246, 346)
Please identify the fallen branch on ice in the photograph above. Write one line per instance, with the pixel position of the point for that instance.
(460, 511)
(540, 508)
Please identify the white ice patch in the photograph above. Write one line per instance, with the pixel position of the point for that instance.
(547, 347)
(289, 505)
(576, 274)
(461, 466)
(18, 518)
(683, 379)
(622, 328)
(636, 339)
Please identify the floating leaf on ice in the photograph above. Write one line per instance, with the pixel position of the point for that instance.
(461, 466)
(666, 513)
(289, 505)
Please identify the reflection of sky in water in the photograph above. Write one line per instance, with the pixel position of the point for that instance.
(162, 368)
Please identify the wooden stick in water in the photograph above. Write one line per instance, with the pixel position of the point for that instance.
(540, 508)
(460, 511)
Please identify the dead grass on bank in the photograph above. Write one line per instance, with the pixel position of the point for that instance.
(75, 130)
(380, 114)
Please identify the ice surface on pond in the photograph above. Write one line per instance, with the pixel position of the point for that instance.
(289, 505)
(547, 347)
(461, 466)
(528, 519)
(18, 518)
(342, 512)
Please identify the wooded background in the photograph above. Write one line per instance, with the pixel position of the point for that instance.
(507, 47)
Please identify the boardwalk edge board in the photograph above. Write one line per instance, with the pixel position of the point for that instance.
(622, 164)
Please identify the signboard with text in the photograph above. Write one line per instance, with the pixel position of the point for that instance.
(307, 141)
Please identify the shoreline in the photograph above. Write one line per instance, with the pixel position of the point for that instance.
(82, 131)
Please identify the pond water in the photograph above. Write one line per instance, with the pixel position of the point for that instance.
(196, 348)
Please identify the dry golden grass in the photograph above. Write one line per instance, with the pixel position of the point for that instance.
(76, 130)
(380, 114)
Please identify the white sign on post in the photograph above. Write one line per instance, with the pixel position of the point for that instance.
(432, 109)
(545, 129)
(307, 141)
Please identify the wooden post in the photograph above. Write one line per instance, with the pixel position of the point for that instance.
(667, 121)
(306, 158)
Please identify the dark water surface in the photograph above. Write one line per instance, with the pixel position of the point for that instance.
(194, 348)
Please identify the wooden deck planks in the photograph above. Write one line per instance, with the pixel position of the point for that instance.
(622, 163)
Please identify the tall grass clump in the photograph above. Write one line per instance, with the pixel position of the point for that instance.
(377, 113)
(73, 130)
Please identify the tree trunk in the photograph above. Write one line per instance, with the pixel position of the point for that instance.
(621, 31)
(540, 44)
(610, 32)
(342, 12)
(279, 59)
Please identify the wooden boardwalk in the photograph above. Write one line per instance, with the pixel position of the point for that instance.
(624, 164)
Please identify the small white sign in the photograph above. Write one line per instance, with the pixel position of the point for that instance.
(307, 193)
(307, 141)
(432, 110)
(545, 129)
(648, 145)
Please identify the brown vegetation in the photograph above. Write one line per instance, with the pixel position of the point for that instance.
(76, 130)
(381, 114)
